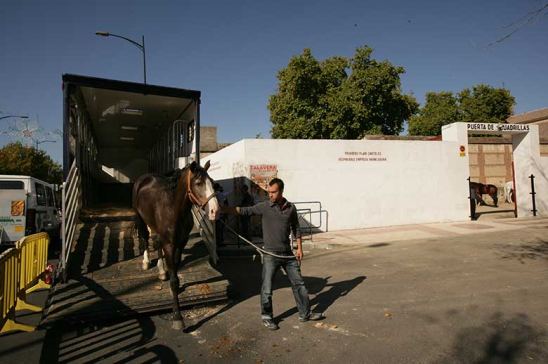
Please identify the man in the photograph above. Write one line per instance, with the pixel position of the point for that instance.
(279, 218)
(219, 226)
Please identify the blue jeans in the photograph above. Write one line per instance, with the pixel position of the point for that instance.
(270, 267)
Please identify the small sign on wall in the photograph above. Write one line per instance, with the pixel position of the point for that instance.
(260, 175)
(462, 151)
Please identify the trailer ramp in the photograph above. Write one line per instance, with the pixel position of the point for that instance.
(105, 278)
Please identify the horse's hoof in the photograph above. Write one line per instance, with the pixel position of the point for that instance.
(177, 325)
(162, 277)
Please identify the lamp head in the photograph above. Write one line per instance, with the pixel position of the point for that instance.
(103, 34)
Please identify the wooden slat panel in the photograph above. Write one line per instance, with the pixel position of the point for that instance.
(103, 286)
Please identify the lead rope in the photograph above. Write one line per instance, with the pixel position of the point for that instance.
(260, 250)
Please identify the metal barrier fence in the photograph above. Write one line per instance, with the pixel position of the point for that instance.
(315, 209)
(20, 271)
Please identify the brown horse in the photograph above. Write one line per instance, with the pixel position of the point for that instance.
(166, 209)
(477, 189)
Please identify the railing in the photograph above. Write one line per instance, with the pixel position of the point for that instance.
(169, 147)
(71, 206)
(20, 271)
(310, 211)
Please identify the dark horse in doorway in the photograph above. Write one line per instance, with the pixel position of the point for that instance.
(166, 209)
(477, 189)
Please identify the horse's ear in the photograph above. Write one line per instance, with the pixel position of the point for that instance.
(206, 167)
(193, 166)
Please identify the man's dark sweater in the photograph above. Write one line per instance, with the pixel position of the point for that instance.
(278, 221)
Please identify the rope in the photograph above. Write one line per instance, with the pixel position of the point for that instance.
(260, 250)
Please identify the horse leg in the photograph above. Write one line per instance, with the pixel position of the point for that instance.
(143, 233)
(173, 257)
(162, 273)
(146, 260)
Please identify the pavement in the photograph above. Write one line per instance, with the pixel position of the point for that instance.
(460, 292)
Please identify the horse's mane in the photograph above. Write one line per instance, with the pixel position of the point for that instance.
(172, 177)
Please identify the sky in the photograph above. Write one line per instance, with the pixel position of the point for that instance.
(231, 51)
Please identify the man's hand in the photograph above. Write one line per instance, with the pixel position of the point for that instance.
(299, 254)
(230, 210)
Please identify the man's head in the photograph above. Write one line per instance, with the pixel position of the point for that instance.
(275, 190)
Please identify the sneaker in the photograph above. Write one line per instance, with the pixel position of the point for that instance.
(270, 324)
(312, 317)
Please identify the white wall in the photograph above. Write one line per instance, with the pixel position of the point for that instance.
(413, 182)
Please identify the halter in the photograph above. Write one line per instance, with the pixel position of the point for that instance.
(193, 198)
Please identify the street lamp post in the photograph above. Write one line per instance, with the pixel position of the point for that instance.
(14, 116)
(38, 142)
(140, 46)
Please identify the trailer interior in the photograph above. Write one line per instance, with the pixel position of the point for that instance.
(116, 131)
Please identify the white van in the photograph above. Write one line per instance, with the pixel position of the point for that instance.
(27, 206)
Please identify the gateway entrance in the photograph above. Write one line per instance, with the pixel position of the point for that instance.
(531, 199)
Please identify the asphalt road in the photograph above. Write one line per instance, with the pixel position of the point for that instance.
(476, 298)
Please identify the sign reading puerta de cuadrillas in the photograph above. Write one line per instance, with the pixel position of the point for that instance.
(492, 127)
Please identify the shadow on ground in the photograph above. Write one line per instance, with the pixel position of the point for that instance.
(500, 339)
(127, 339)
(523, 252)
(244, 274)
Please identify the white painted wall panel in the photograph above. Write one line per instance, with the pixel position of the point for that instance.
(414, 182)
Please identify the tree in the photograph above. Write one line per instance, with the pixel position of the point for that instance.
(485, 104)
(481, 104)
(339, 98)
(15, 158)
(440, 109)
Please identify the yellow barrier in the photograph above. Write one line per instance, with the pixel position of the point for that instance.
(34, 258)
(20, 271)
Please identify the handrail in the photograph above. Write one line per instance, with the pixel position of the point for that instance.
(312, 202)
(71, 193)
(309, 211)
(168, 147)
(312, 226)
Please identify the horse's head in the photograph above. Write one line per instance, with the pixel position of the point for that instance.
(200, 189)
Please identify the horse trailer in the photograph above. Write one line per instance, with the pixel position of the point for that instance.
(116, 131)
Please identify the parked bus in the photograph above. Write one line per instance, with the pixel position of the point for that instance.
(27, 205)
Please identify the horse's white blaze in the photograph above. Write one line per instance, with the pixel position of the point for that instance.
(213, 204)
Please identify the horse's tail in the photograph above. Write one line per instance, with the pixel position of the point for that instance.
(136, 188)
(142, 231)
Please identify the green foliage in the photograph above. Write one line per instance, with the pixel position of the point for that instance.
(15, 158)
(485, 104)
(440, 109)
(322, 100)
(482, 104)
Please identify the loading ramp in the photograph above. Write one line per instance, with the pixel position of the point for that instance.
(105, 278)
